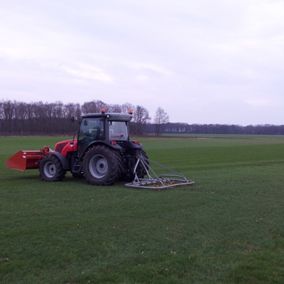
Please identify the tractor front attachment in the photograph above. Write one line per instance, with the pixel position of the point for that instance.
(155, 181)
(25, 160)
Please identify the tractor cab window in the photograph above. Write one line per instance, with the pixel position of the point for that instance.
(92, 129)
(118, 130)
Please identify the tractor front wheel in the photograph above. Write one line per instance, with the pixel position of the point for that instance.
(102, 165)
(51, 169)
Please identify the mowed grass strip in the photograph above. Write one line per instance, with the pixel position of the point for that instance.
(227, 228)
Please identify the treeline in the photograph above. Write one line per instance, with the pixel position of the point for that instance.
(20, 118)
(182, 128)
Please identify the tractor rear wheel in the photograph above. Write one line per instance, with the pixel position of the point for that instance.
(51, 169)
(102, 165)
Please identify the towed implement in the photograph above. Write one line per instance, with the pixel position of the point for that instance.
(101, 152)
(153, 180)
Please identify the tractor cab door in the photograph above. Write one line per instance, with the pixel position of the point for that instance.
(91, 129)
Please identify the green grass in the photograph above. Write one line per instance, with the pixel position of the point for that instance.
(227, 228)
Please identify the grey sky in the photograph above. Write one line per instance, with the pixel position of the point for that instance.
(203, 61)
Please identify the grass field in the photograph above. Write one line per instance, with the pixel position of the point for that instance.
(227, 228)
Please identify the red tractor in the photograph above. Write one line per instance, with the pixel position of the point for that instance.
(101, 152)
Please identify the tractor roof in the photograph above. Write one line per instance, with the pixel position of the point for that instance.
(109, 116)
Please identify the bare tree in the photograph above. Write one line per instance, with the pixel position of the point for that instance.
(140, 118)
(1, 110)
(101, 105)
(8, 110)
(20, 110)
(161, 117)
(127, 107)
(114, 108)
(93, 107)
(90, 107)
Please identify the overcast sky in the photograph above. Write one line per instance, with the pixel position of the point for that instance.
(203, 61)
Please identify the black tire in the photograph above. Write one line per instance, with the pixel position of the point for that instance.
(50, 169)
(120, 164)
(102, 165)
(141, 172)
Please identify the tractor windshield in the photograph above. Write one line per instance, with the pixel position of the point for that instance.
(118, 130)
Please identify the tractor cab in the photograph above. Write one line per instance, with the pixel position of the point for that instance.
(106, 128)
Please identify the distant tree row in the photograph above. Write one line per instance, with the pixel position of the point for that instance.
(183, 128)
(55, 118)
(20, 118)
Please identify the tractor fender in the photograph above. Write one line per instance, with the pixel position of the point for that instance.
(114, 147)
(64, 162)
(134, 145)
